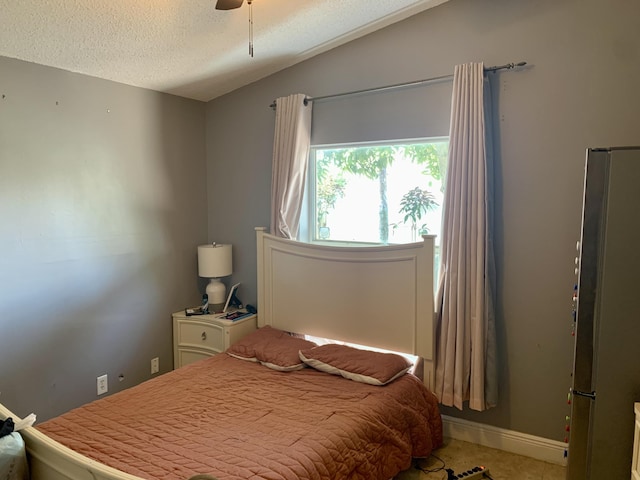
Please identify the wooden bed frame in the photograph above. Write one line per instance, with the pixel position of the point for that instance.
(376, 296)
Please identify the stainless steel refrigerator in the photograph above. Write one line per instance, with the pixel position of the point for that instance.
(606, 370)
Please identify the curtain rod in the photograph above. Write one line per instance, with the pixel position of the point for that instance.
(441, 78)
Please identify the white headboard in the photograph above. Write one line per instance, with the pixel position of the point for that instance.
(376, 296)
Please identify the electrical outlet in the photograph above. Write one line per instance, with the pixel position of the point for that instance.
(103, 386)
(155, 365)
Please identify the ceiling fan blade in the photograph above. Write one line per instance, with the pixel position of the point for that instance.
(228, 4)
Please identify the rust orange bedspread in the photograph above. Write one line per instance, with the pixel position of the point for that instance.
(235, 419)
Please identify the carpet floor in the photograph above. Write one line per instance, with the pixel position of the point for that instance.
(462, 456)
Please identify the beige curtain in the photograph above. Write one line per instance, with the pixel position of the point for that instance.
(290, 159)
(465, 336)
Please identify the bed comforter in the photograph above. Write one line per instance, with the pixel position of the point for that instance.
(235, 420)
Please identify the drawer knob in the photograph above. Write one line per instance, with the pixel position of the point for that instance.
(204, 335)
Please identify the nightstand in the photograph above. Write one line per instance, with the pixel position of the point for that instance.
(199, 336)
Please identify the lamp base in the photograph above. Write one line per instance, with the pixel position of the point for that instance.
(215, 308)
(216, 293)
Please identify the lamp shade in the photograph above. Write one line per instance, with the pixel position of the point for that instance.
(214, 261)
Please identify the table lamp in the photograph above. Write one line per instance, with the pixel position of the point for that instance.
(214, 262)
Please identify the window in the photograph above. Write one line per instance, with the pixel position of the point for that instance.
(376, 193)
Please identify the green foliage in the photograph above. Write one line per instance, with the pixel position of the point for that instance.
(327, 194)
(414, 204)
(366, 161)
(432, 155)
(372, 162)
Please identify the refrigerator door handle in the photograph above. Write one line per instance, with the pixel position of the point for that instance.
(591, 395)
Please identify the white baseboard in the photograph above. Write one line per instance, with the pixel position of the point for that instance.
(539, 448)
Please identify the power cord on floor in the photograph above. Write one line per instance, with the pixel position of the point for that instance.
(417, 465)
(451, 475)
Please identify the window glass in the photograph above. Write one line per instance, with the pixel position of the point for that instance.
(377, 193)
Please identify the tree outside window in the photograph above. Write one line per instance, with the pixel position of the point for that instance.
(379, 193)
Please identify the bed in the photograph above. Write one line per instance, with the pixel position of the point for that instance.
(276, 405)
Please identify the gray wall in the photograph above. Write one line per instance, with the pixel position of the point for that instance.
(580, 90)
(104, 198)
(103, 202)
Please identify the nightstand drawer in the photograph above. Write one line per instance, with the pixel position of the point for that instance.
(187, 356)
(198, 334)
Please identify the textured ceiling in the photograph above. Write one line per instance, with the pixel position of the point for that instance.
(186, 47)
